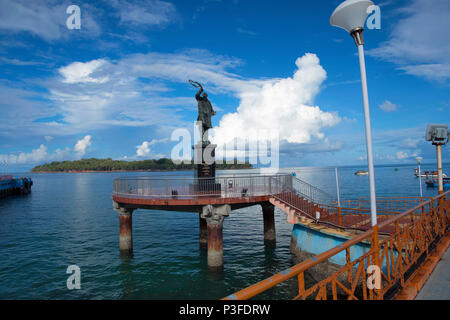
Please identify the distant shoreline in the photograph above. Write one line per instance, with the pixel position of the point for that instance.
(106, 171)
(110, 165)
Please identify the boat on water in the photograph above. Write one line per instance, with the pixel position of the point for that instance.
(361, 173)
(10, 185)
(427, 174)
(433, 183)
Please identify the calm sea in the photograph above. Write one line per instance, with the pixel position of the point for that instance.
(69, 219)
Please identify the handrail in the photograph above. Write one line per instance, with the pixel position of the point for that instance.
(316, 195)
(385, 247)
(185, 187)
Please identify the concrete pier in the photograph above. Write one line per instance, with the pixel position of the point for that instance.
(126, 229)
(214, 216)
(203, 230)
(268, 210)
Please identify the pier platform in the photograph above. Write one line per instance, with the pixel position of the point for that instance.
(213, 199)
(437, 287)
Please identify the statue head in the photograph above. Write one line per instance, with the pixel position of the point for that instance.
(205, 95)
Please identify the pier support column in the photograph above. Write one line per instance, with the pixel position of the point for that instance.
(126, 228)
(214, 217)
(268, 210)
(203, 230)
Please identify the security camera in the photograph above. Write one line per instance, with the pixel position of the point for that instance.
(437, 133)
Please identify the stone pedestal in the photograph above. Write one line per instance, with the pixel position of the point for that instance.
(214, 217)
(205, 169)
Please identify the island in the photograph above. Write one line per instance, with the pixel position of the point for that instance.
(110, 165)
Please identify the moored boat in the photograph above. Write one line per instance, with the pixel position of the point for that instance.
(361, 173)
(427, 174)
(10, 185)
(433, 183)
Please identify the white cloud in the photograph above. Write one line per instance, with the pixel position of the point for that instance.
(84, 100)
(82, 145)
(79, 72)
(48, 138)
(280, 104)
(388, 106)
(41, 155)
(402, 155)
(36, 156)
(143, 149)
(417, 43)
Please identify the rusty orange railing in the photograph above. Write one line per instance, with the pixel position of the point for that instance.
(414, 232)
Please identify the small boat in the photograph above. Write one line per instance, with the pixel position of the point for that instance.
(361, 173)
(428, 174)
(433, 183)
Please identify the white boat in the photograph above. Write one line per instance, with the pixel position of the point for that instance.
(361, 173)
(428, 174)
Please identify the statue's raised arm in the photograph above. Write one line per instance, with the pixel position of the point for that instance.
(205, 109)
(195, 84)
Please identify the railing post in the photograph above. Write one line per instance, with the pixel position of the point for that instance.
(376, 256)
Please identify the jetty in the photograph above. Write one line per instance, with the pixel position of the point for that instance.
(340, 238)
(10, 185)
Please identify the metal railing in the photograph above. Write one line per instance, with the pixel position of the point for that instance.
(412, 238)
(385, 205)
(187, 188)
(312, 193)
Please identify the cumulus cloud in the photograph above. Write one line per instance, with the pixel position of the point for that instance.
(133, 91)
(79, 72)
(285, 105)
(82, 145)
(36, 156)
(41, 155)
(416, 43)
(388, 106)
(143, 149)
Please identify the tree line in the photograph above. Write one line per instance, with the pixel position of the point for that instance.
(94, 164)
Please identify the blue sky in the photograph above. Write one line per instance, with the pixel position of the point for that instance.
(117, 87)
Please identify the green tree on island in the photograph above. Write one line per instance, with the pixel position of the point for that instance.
(94, 164)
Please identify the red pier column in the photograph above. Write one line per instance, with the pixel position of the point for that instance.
(126, 229)
(268, 210)
(214, 217)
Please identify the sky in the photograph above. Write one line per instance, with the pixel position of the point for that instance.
(118, 86)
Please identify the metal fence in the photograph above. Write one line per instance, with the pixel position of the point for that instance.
(187, 188)
(396, 255)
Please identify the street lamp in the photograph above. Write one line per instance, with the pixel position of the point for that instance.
(438, 135)
(419, 160)
(351, 16)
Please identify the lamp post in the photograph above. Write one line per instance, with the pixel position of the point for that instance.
(419, 160)
(351, 15)
(438, 135)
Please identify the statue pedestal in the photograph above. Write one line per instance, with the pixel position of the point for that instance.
(205, 170)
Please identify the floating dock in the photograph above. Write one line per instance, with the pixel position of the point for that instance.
(10, 185)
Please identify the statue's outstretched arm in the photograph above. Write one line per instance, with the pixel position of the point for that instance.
(199, 92)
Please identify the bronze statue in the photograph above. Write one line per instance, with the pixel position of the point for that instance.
(205, 109)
